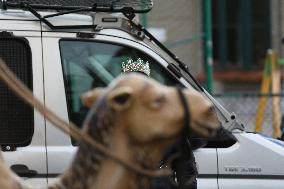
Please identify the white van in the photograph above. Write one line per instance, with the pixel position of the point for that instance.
(62, 53)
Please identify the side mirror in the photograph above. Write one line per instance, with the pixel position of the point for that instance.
(222, 139)
(197, 143)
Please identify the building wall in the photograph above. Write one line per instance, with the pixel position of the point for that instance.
(277, 24)
(181, 20)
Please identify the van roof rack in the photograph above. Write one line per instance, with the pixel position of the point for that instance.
(135, 6)
(128, 7)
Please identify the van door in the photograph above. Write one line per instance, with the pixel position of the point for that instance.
(22, 129)
(206, 161)
(254, 162)
(207, 158)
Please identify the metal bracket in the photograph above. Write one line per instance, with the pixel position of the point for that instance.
(175, 69)
(128, 12)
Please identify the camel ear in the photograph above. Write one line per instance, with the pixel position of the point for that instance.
(121, 98)
(91, 97)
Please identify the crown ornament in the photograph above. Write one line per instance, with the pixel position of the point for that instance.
(136, 66)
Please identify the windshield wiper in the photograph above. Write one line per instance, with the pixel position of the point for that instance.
(181, 65)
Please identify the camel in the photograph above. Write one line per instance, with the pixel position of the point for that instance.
(137, 119)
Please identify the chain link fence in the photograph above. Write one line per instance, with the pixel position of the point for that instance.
(245, 106)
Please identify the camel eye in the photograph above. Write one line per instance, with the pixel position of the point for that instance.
(158, 102)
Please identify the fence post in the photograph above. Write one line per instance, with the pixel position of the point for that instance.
(265, 88)
(271, 83)
(208, 43)
(245, 32)
(222, 33)
(276, 89)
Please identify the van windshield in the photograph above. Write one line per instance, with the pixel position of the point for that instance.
(90, 64)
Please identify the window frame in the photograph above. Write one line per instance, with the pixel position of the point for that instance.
(66, 82)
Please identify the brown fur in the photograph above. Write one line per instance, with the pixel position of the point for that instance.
(137, 119)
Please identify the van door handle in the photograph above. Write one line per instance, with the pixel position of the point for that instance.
(23, 171)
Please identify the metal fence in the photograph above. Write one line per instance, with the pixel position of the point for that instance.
(245, 106)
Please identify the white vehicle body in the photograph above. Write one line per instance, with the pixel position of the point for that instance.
(252, 161)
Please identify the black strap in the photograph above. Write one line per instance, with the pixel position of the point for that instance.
(183, 147)
(186, 112)
(180, 156)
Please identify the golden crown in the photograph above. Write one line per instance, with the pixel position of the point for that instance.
(136, 66)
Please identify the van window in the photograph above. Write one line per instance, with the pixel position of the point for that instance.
(16, 117)
(90, 64)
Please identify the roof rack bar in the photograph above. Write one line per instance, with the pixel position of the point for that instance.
(98, 7)
(68, 12)
(46, 7)
(51, 26)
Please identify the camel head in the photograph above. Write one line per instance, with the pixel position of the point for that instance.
(150, 114)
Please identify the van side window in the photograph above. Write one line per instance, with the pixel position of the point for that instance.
(16, 117)
(89, 64)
